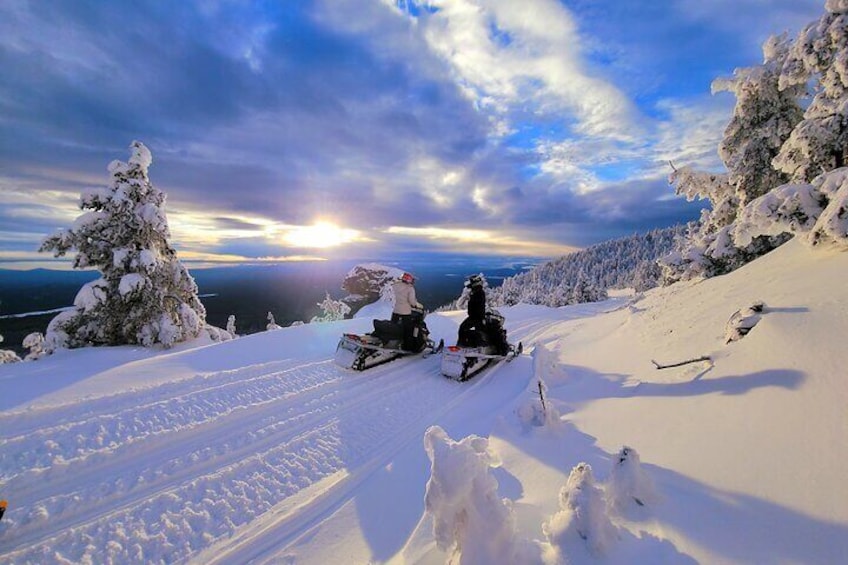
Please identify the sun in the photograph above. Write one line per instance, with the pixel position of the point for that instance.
(320, 235)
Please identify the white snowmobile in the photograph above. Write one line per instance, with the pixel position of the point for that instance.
(384, 344)
(476, 348)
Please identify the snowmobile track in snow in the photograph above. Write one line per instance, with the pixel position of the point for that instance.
(262, 541)
(236, 441)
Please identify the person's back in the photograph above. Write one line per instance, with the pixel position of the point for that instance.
(405, 301)
(477, 303)
(405, 298)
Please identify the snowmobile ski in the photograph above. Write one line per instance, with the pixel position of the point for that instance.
(462, 363)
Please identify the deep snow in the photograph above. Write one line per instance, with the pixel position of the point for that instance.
(262, 449)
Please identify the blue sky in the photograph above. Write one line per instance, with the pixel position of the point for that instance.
(373, 129)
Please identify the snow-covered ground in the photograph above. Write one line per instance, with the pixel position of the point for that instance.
(261, 449)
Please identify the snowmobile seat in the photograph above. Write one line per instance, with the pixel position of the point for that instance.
(472, 337)
(387, 330)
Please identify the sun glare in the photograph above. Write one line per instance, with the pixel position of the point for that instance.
(320, 235)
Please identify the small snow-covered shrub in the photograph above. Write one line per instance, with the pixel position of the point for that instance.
(231, 325)
(470, 521)
(583, 518)
(35, 343)
(628, 483)
(536, 408)
(217, 334)
(7, 355)
(272, 324)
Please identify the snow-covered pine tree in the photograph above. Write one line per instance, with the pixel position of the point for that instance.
(145, 295)
(814, 203)
(585, 291)
(763, 118)
(819, 143)
(231, 325)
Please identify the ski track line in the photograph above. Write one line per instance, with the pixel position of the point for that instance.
(271, 537)
(164, 449)
(352, 400)
(104, 434)
(28, 420)
(109, 463)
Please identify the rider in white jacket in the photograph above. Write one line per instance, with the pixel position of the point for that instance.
(405, 301)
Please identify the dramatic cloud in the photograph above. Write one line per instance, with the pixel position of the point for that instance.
(541, 125)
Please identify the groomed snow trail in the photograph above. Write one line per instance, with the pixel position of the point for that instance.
(235, 462)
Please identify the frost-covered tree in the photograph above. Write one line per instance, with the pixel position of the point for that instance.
(819, 55)
(35, 343)
(145, 295)
(815, 205)
(586, 291)
(272, 324)
(762, 120)
(231, 325)
(331, 310)
(815, 202)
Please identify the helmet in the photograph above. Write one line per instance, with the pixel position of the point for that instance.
(474, 281)
(407, 278)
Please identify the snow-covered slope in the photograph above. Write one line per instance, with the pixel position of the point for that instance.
(262, 449)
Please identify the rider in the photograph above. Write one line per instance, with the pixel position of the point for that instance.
(476, 311)
(405, 301)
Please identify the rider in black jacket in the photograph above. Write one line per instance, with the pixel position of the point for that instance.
(476, 312)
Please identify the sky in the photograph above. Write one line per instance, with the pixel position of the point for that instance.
(376, 129)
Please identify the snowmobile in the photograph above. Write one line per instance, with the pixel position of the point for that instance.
(384, 344)
(477, 347)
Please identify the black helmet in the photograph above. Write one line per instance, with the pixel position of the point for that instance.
(475, 281)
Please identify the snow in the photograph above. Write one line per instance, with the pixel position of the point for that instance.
(91, 295)
(131, 282)
(262, 450)
(140, 155)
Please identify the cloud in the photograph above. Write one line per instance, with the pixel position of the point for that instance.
(513, 58)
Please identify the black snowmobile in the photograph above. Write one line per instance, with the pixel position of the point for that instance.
(477, 347)
(385, 343)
